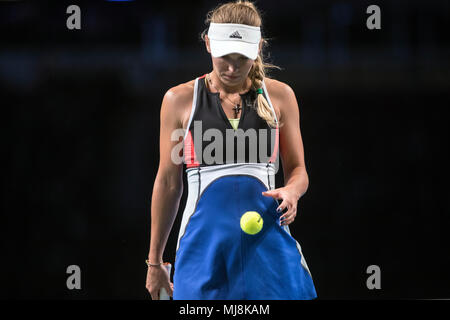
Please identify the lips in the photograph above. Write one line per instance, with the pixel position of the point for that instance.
(231, 77)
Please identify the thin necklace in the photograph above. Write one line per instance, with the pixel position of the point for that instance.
(237, 106)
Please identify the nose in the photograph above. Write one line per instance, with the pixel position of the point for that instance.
(234, 62)
(233, 67)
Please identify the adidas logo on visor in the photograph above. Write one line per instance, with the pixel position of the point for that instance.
(235, 35)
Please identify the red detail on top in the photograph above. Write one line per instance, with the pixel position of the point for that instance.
(190, 159)
(273, 158)
(202, 76)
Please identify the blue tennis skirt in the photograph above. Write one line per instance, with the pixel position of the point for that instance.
(216, 260)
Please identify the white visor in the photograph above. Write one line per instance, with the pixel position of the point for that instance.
(226, 38)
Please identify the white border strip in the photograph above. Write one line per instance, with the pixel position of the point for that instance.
(299, 248)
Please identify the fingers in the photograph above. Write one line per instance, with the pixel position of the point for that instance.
(287, 219)
(158, 278)
(154, 294)
(169, 288)
(283, 205)
(272, 193)
(289, 216)
(288, 203)
(151, 288)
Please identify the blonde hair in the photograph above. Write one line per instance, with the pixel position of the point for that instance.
(245, 12)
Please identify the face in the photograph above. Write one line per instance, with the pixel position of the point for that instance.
(231, 69)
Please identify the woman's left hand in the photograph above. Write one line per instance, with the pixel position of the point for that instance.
(290, 200)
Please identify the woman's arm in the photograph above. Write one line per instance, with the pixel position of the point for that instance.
(291, 151)
(168, 185)
(167, 188)
(291, 146)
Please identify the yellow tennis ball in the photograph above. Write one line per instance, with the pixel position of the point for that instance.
(251, 222)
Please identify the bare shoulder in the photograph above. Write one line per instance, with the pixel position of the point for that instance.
(181, 92)
(281, 95)
(178, 101)
(278, 89)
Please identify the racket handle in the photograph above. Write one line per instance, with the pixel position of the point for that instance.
(163, 295)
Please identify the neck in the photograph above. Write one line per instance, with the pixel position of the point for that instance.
(231, 89)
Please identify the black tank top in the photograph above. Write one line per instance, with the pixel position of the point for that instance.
(210, 138)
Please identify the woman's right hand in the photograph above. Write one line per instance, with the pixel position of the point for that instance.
(157, 278)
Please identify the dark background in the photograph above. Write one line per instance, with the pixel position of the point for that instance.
(80, 123)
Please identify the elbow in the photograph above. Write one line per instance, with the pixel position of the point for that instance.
(304, 181)
(169, 185)
(176, 190)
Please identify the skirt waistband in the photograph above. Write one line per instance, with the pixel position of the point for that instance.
(201, 177)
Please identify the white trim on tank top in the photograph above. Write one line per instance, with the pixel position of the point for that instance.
(194, 103)
(270, 102)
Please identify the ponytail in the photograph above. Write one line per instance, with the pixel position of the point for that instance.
(257, 75)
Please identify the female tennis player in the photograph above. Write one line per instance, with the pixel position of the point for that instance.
(237, 121)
